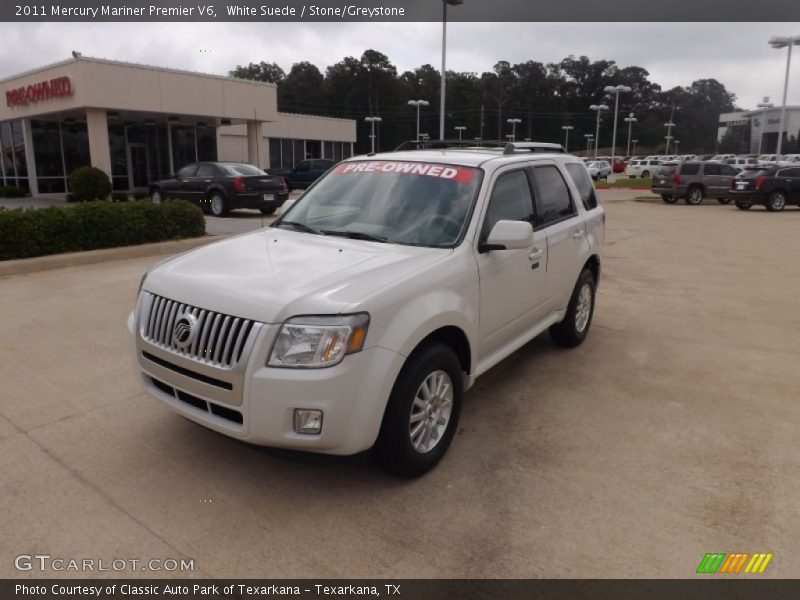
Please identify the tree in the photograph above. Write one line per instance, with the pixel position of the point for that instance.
(732, 142)
(302, 90)
(267, 72)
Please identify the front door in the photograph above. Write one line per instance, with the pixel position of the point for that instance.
(138, 167)
(512, 282)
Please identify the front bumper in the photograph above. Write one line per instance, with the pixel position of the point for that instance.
(260, 406)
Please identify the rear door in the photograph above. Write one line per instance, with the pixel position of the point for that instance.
(565, 231)
(183, 182)
(712, 173)
(512, 282)
(789, 179)
(200, 182)
(726, 177)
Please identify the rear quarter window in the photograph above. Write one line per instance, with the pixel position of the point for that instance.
(690, 169)
(584, 184)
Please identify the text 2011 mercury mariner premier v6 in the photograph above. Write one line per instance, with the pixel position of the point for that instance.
(361, 316)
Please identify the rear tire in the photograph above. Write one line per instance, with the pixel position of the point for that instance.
(743, 206)
(669, 199)
(724, 200)
(694, 195)
(422, 414)
(267, 211)
(776, 201)
(645, 173)
(218, 205)
(573, 329)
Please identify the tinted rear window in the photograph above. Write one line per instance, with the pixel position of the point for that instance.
(243, 170)
(667, 169)
(584, 184)
(690, 169)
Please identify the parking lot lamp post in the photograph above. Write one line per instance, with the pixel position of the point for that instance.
(418, 104)
(589, 137)
(460, 129)
(513, 127)
(633, 150)
(598, 108)
(372, 121)
(779, 42)
(444, 61)
(668, 137)
(630, 120)
(616, 90)
(566, 129)
(763, 105)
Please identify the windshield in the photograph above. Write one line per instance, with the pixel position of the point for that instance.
(409, 203)
(245, 170)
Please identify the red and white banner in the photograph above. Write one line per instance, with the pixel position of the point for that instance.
(447, 172)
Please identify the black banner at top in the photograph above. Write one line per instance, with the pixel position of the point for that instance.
(400, 10)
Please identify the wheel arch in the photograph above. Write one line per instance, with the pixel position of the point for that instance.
(593, 264)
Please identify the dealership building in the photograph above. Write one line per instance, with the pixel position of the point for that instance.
(759, 129)
(141, 123)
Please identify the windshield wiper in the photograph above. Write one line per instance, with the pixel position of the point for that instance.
(357, 235)
(300, 227)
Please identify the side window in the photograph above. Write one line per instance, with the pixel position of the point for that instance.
(205, 171)
(187, 171)
(713, 169)
(511, 201)
(728, 170)
(584, 184)
(788, 173)
(302, 167)
(689, 169)
(552, 195)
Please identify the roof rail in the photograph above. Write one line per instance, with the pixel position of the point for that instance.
(442, 144)
(513, 147)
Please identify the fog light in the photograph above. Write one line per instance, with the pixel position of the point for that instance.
(307, 421)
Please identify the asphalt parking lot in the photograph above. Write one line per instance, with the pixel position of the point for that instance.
(672, 432)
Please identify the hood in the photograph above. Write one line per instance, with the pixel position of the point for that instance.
(273, 274)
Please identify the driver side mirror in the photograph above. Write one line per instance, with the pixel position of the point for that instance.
(508, 235)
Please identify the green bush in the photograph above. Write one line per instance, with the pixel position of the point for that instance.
(89, 183)
(12, 191)
(93, 225)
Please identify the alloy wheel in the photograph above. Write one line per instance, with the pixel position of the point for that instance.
(430, 411)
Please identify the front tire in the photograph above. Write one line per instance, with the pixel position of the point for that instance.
(422, 414)
(743, 206)
(776, 201)
(156, 197)
(218, 205)
(573, 329)
(669, 199)
(724, 200)
(267, 211)
(645, 173)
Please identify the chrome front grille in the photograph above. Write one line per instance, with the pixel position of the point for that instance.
(219, 339)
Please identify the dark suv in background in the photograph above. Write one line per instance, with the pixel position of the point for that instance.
(693, 181)
(773, 187)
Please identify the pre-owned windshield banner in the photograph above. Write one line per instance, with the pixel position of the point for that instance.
(390, 167)
(405, 10)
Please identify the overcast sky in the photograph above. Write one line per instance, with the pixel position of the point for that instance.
(737, 54)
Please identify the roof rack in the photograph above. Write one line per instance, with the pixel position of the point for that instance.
(513, 147)
(505, 145)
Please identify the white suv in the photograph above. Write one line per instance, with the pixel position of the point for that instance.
(364, 312)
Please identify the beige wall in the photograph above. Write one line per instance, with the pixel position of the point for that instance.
(121, 86)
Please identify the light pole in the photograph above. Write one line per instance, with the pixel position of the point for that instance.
(418, 104)
(444, 61)
(372, 121)
(616, 90)
(566, 129)
(598, 108)
(634, 142)
(589, 137)
(513, 127)
(784, 42)
(668, 137)
(460, 129)
(763, 105)
(630, 120)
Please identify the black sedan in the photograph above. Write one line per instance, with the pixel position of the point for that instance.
(222, 186)
(772, 187)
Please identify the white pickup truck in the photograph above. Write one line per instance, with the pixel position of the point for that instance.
(361, 315)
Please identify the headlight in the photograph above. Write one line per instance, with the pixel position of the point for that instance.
(316, 342)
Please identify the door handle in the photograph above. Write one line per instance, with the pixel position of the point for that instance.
(578, 234)
(536, 253)
(206, 181)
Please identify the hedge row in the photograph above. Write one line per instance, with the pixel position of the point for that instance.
(93, 225)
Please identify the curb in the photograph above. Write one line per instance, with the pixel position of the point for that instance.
(89, 257)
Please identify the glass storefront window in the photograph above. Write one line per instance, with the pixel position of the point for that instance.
(347, 149)
(287, 162)
(313, 149)
(75, 141)
(47, 149)
(337, 151)
(119, 160)
(19, 148)
(206, 143)
(275, 154)
(7, 150)
(299, 152)
(183, 146)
